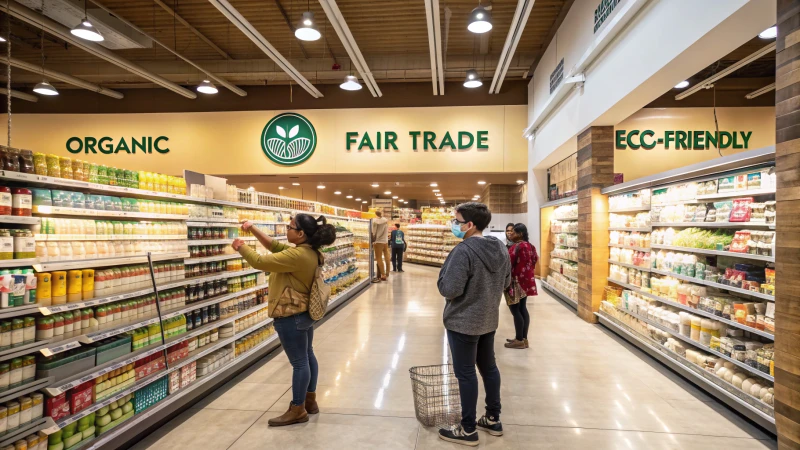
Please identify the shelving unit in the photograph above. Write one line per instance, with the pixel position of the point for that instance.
(558, 260)
(684, 190)
(429, 244)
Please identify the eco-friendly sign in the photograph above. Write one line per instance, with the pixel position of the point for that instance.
(681, 139)
(288, 139)
(108, 146)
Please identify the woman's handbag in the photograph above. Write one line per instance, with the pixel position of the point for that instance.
(515, 293)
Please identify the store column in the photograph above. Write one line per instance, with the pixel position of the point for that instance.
(787, 239)
(595, 171)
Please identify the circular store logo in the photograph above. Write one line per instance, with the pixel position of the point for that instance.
(288, 139)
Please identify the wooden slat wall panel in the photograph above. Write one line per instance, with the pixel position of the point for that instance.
(787, 165)
(595, 171)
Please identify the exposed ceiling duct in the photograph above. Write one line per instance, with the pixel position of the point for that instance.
(261, 42)
(343, 31)
(116, 34)
(69, 79)
(709, 82)
(521, 15)
(33, 18)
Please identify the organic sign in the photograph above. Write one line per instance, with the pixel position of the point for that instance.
(288, 139)
(681, 139)
(108, 146)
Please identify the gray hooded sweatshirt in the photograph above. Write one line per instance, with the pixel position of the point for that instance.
(472, 281)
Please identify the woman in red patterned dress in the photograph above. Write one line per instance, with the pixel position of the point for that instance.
(523, 262)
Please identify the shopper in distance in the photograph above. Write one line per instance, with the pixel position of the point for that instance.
(523, 284)
(398, 242)
(298, 298)
(472, 281)
(380, 239)
(509, 235)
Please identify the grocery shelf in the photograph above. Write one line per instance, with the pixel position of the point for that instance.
(27, 388)
(52, 309)
(212, 277)
(558, 293)
(702, 251)
(630, 209)
(248, 330)
(676, 334)
(743, 225)
(214, 221)
(23, 431)
(15, 352)
(630, 247)
(102, 262)
(561, 201)
(746, 193)
(715, 285)
(57, 387)
(191, 223)
(221, 298)
(684, 368)
(630, 266)
(21, 220)
(211, 241)
(17, 311)
(643, 229)
(189, 261)
(85, 212)
(74, 341)
(108, 237)
(7, 263)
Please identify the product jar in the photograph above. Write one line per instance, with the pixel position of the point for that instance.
(21, 202)
(5, 201)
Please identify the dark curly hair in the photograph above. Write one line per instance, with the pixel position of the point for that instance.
(521, 230)
(318, 232)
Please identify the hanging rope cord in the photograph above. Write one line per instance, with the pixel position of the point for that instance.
(8, 70)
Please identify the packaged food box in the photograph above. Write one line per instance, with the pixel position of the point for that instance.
(112, 348)
(65, 365)
(80, 397)
(57, 407)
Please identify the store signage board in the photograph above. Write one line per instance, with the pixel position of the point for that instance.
(107, 145)
(288, 139)
(603, 12)
(425, 140)
(557, 76)
(681, 140)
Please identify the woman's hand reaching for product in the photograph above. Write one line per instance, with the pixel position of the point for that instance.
(237, 243)
(246, 225)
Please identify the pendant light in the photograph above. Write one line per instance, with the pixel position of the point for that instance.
(350, 83)
(480, 20)
(44, 88)
(207, 87)
(85, 29)
(306, 31)
(769, 33)
(473, 79)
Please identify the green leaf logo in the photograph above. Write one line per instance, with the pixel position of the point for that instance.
(288, 139)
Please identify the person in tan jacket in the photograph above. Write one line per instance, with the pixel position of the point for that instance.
(380, 243)
(292, 270)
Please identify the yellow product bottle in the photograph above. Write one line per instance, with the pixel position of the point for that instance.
(162, 180)
(59, 289)
(74, 285)
(149, 179)
(142, 180)
(44, 292)
(88, 284)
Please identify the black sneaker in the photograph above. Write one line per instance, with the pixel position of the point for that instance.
(456, 434)
(495, 428)
(401, 270)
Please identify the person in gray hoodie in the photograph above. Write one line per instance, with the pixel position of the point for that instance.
(472, 281)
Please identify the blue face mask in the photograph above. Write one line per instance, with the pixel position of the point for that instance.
(456, 229)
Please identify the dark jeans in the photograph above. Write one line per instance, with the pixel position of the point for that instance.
(522, 320)
(469, 351)
(397, 258)
(297, 335)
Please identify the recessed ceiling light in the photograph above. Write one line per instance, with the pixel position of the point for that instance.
(769, 33)
(337, 192)
(321, 186)
(437, 194)
(481, 182)
(435, 190)
(400, 200)
(363, 201)
(434, 185)
(358, 199)
(395, 197)
(349, 196)
(281, 188)
(520, 181)
(375, 185)
(405, 203)
(682, 84)
(295, 184)
(388, 192)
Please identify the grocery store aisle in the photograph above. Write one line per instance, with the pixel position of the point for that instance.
(577, 387)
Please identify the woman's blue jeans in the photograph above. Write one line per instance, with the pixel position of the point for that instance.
(297, 335)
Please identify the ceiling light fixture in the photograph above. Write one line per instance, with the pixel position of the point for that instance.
(473, 80)
(281, 188)
(207, 87)
(769, 33)
(351, 83)
(45, 88)
(337, 192)
(349, 196)
(437, 194)
(363, 201)
(435, 190)
(395, 197)
(682, 84)
(387, 193)
(481, 182)
(295, 184)
(2, 39)
(520, 181)
(405, 203)
(321, 186)
(434, 185)
(375, 185)
(358, 199)
(306, 31)
(480, 20)
(85, 30)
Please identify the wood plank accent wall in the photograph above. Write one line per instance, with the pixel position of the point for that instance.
(595, 171)
(787, 252)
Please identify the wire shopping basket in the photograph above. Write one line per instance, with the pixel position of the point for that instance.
(437, 401)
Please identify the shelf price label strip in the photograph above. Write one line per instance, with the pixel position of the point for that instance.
(702, 251)
(42, 266)
(212, 301)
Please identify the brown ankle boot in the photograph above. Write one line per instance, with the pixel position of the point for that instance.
(526, 342)
(295, 414)
(311, 403)
(515, 344)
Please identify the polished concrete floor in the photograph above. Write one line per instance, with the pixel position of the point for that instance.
(577, 387)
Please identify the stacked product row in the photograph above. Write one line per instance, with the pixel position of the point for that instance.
(429, 244)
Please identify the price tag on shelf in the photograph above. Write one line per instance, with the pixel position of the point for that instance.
(50, 351)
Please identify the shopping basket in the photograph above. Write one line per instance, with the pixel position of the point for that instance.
(437, 401)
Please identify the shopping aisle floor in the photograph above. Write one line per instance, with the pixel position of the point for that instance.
(577, 387)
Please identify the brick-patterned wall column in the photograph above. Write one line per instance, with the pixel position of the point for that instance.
(787, 241)
(595, 171)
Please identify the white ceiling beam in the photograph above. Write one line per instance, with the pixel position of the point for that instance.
(518, 23)
(223, 82)
(261, 42)
(20, 95)
(437, 30)
(343, 31)
(60, 76)
(50, 26)
(709, 82)
(768, 88)
(194, 30)
(432, 46)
